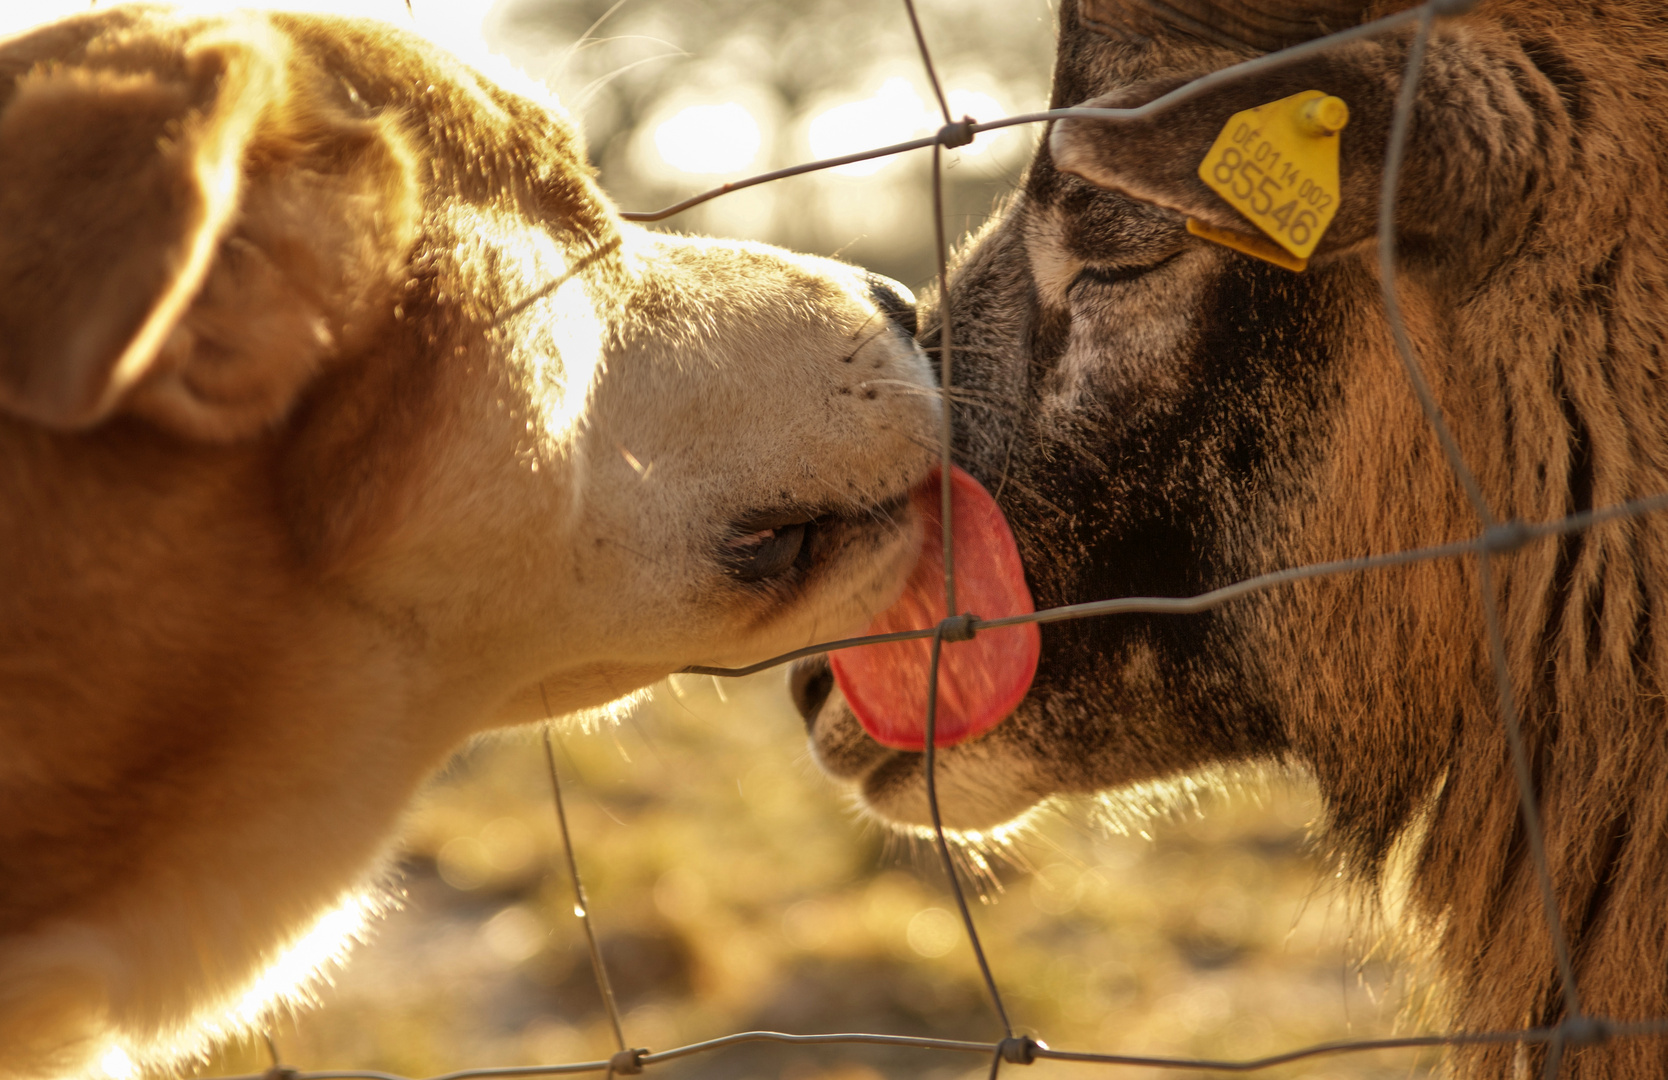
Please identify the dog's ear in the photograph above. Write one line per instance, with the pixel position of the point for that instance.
(190, 225)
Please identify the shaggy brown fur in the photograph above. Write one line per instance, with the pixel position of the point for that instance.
(1171, 416)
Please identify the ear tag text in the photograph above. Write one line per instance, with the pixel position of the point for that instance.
(1278, 165)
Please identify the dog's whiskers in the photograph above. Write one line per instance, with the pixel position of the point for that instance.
(583, 98)
(585, 40)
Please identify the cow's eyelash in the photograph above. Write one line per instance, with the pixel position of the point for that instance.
(1118, 275)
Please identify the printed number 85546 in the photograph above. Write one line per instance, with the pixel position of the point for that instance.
(1261, 192)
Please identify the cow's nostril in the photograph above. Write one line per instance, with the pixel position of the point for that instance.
(810, 681)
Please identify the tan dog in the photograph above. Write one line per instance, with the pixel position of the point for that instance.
(340, 418)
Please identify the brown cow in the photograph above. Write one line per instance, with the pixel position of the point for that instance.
(1160, 416)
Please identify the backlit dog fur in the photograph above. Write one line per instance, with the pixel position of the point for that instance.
(341, 418)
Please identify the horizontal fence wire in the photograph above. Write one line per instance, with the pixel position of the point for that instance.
(1032, 1049)
(1494, 538)
(1499, 538)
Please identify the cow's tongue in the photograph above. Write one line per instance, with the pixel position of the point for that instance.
(979, 681)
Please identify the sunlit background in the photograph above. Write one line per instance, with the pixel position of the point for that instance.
(678, 97)
(732, 886)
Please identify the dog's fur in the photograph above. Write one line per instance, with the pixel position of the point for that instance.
(1162, 416)
(341, 418)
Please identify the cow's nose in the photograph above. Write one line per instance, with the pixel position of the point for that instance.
(810, 681)
(895, 300)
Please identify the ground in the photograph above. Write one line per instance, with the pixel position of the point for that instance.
(735, 889)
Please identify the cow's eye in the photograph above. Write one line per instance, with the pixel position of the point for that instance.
(1118, 275)
(762, 554)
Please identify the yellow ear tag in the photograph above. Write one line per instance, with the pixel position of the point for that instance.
(1278, 165)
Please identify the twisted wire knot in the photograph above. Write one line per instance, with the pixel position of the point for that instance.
(959, 133)
(627, 1062)
(1018, 1049)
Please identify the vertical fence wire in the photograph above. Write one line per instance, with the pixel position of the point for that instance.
(581, 904)
(946, 356)
(929, 769)
(946, 381)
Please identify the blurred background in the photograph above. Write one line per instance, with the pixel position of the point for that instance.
(676, 96)
(732, 886)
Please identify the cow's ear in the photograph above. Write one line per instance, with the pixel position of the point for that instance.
(1156, 159)
(189, 226)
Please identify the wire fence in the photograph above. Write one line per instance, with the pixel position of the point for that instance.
(1495, 537)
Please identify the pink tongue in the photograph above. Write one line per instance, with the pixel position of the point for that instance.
(980, 681)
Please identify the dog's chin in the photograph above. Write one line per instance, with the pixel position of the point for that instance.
(982, 784)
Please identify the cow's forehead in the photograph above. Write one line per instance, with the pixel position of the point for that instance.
(1263, 25)
(1107, 44)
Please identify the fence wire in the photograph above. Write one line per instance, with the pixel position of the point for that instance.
(1494, 538)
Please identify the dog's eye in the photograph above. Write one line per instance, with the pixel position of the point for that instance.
(766, 553)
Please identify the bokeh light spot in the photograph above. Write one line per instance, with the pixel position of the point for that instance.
(895, 113)
(514, 934)
(464, 863)
(979, 107)
(708, 140)
(933, 932)
(509, 844)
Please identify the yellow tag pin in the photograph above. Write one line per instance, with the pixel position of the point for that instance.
(1278, 165)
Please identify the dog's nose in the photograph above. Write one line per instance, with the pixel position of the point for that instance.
(895, 300)
(810, 681)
